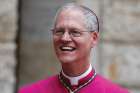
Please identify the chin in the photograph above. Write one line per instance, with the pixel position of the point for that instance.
(67, 59)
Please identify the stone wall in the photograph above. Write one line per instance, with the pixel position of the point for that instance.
(121, 42)
(119, 48)
(8, 27)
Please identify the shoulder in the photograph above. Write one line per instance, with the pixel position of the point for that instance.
(108, 86)
(39, 86)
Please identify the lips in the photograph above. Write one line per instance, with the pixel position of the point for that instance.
(67, 48)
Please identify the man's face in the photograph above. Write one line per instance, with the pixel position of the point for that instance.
(70, 48)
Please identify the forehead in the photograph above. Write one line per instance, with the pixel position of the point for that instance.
(68, 17)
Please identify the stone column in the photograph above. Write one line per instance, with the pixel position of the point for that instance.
(8, 27)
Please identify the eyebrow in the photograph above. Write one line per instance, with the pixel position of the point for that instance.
(71, 28)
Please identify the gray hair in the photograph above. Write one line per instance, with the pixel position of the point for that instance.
(91, 20)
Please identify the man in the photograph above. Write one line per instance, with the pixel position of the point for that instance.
(75, 33)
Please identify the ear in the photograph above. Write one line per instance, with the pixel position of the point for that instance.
(95, 36)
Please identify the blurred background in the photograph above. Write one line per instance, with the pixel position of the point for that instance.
(26, 51)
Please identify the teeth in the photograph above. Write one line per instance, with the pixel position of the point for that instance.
(66, 48)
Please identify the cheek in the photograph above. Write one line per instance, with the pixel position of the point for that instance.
(84, 42)
(55, 40)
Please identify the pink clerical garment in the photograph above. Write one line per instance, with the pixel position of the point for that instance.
(53, 85)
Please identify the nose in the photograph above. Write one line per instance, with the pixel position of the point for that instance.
(66, 36)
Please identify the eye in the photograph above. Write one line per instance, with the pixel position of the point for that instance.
(75, 33)
(59, 32)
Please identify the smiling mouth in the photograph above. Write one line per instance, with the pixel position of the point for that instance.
(67, 48)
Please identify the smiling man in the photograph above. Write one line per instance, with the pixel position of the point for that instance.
(75, 33)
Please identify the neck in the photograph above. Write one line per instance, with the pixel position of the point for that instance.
(75, 80)
(74, 69)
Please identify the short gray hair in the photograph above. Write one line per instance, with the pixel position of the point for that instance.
(91, 20)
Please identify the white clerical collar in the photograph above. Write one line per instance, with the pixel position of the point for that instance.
(74, 80)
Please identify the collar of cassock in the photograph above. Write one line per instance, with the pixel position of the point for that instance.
(75, 82)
